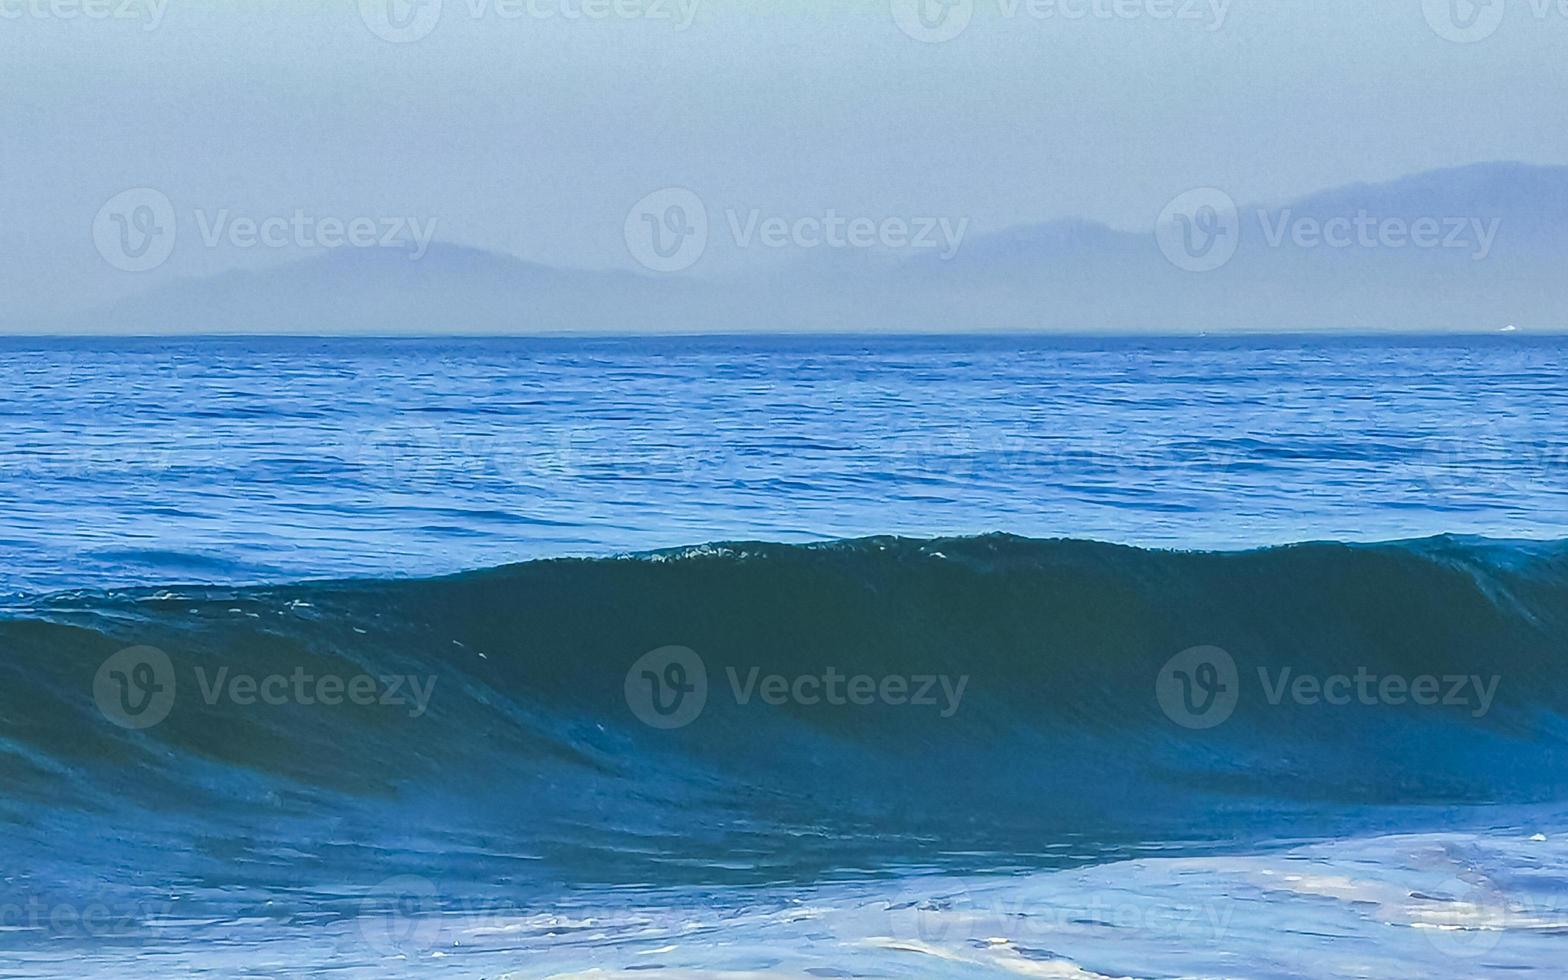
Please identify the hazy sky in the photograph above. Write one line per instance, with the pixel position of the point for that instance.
(532, 126)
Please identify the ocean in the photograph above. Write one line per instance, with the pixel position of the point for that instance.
(1214, 657)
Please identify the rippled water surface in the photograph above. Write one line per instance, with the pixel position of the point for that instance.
(149, 461)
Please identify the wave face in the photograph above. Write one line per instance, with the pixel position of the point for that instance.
(506, 725)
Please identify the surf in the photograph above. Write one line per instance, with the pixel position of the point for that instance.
(1071, 740)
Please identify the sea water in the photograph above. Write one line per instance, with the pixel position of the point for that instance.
(381, 657)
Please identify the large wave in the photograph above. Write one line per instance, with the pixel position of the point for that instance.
(1081, 700)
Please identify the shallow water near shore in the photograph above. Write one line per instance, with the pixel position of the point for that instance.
(1443, 905)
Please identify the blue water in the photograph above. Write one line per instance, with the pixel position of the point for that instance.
(533, 554)
(154, 461)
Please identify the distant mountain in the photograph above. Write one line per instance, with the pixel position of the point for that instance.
(1471, 248)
